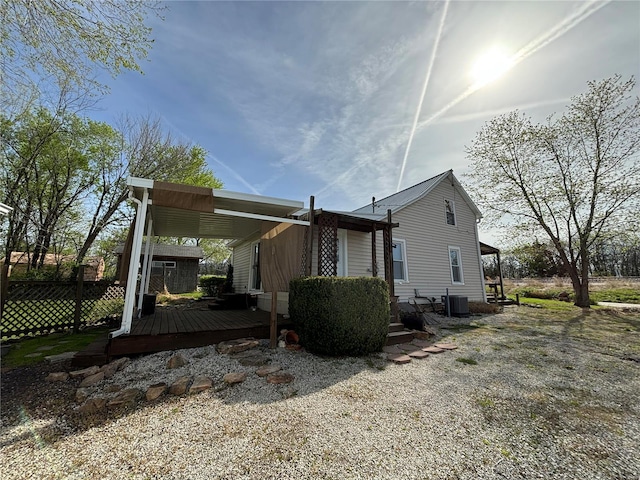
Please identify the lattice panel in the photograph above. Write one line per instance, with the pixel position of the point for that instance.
(305, 246)
(45, 307)
(101, 302)
(328, 245)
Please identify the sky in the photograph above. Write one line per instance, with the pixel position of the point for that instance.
(292, 99)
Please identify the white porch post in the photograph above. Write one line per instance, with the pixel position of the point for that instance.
(149, 266)
(136, 247)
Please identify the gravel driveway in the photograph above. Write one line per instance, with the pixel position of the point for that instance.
(525, 396)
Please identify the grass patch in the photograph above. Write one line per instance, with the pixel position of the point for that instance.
(178, 298)
(467, 361)
(621, 295)
(59, 343)
(553, 305)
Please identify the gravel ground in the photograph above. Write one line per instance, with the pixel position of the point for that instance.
(525, 396)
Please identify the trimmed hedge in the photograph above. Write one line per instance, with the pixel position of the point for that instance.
(211, 284)
(340, 316)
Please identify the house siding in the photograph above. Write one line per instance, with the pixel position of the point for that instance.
(428, 237)
(241, 267)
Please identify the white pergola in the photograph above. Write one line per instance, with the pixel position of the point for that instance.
(195, 212)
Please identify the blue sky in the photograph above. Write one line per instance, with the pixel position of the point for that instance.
(293, 99)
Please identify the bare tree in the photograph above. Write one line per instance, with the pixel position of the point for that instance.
(576, 177)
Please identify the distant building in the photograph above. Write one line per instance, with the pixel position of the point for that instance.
(174, 268)
(93, 266)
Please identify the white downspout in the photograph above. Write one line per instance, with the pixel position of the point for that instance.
(134, 261)
(145, 264)
(484, 288)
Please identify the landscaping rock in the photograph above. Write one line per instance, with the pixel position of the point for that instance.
(113, 388)
(126, 398)
(92, 380)
(176, 361)
(93, 405)
(235, 377)
(121, 362)
(236, 346)
(254, 360)
(155, 391)
(268, 370)
(280, 377)
(200, 383)
(179, 387)
(86, 372)
(109, 369)
(81, 395)
(57, 377)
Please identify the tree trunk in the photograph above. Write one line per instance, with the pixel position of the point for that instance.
(582, 294)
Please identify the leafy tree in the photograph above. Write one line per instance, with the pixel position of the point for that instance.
(61, 42)
(576, 178)
(147, 151)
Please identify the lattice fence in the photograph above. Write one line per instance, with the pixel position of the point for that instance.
(37, 307)
(328, 245)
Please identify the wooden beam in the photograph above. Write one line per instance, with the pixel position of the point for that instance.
(273, 321)
(374, 260)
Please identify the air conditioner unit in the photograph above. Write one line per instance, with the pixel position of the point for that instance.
(458, 306)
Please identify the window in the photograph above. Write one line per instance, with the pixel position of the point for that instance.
(450, 212)
(455, 260)
(255, 282)
(400, 261)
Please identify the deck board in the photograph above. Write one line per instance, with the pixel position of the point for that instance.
(170, 328)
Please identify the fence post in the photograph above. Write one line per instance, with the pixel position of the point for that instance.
(78, 312)
(4, 287)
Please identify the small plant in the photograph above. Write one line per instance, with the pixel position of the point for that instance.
(485, 402)
(467, 361)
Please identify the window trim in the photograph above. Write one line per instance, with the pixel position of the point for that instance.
(405, 266)
(453, 282)
(452, 203)
(251, 267)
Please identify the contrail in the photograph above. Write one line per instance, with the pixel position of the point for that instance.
(235, 174)
(424, 91)
(585, 11)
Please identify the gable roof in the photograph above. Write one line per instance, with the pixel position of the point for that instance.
(406, 197)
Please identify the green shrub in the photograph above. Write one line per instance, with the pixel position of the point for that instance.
(340, 316)
(211, 284)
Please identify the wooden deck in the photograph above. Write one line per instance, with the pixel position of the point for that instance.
(171, 328)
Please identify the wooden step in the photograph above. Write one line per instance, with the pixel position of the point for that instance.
(396, 327)
(94, 354)
(394, 338)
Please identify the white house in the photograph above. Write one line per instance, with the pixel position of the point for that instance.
(435, 244)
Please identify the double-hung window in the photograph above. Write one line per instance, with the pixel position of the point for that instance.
(450, 211)
(455, 261)
(400, 261)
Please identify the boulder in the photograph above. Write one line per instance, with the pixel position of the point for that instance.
(200, 383)
(81, 395)
(113, 388)
(57, 377)
(176, 361)
(179, 387)
(92, 380)
(109, 369)
(92, 405)
(121, 362)
(234, 377)
(280, 377)
(155, 391)
(126, 398)
(86, 372)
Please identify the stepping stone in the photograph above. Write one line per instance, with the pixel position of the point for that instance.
(60, 357)
(44, 348)
(398, 358)
(446, 346)
(268, 370)
(407, 347)
(392, 349)
(421, 343)
(418, 354)
(33, 355)
(432, 349)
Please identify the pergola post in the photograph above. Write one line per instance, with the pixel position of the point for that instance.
(388, 265)
(144, 281)
(500, 273)
(309, 254)
(374, 260)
